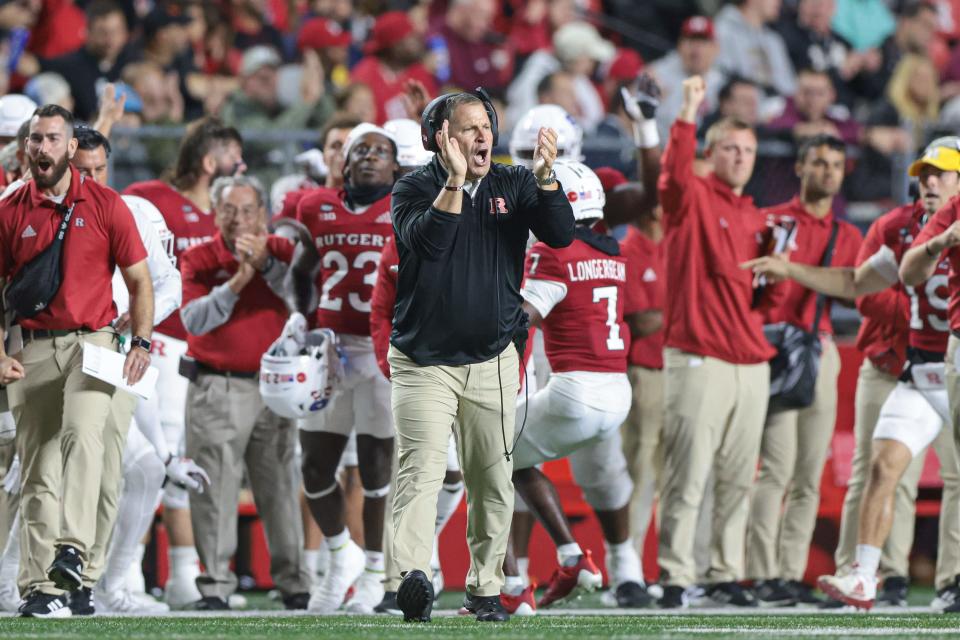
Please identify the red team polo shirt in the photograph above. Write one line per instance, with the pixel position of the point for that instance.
(799, 304)
(645, 292)
(710, 231)
(945, 284)
(258, 316)
(102, 236)
(189, 225)
(585, 331)
(349, 245)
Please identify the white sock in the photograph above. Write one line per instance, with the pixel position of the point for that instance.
(623, 564)
(569, 554)
(184, 563)
(435, 558)
(10, 562)
(135, 582)
(323, 557)
(523, 564)
(447, 502)
(375, 561)
(513, 585)
(310, 557)
(868, 560)
(339, 541)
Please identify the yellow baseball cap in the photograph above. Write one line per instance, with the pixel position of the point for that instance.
(942, 153)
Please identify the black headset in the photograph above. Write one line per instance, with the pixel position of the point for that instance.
(432, 119)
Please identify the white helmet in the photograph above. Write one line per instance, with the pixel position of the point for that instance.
(15, 109)
(523, 139)
(410, 151)
(143, 208)
(583, 188)
(299, 372)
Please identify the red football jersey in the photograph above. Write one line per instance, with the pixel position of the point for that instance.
(188, 223)
(646, 291)
(585, 331)
(350, 245)
(929, 324)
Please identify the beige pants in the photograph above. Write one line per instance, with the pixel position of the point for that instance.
(948, 545)
(873, 387)
(792, 453)
(641, 433)
(714, 417)
(229, 429)
(426, 400)
(61, 415)
(8, 503)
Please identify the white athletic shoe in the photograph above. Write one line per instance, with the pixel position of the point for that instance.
(122, 601)
(181, 591)
(852, 589)
(346, 566)
(368, 592)
(9, 599)
(237, 601)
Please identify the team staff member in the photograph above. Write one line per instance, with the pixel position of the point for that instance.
(209, 150)
(451, 356)
(717, 376)
(232, 313)
(794, 445)
(60, 411)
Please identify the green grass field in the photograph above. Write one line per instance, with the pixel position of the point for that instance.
(261, 620)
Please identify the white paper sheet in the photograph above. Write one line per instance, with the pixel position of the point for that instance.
(107, 365)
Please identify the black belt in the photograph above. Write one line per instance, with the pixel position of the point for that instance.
(29, 335)
(245, 375)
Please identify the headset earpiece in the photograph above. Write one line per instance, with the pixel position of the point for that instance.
(430, 122)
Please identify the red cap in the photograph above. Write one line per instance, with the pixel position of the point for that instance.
(626, 65)
(388, 30)
(610, 178)
(319, 33)
(697, 27)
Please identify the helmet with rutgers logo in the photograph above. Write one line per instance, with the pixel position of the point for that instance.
(583, 189)
(148, 210)
(299, 372)
(523, 139)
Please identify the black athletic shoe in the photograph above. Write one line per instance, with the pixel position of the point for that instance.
(803, 594)
(67, 569)
(731, 594)
(44, 605)
(632, 595)
(415, 597)
(211, 603)
(389, 604)
(486, 608)
(81, 602)
(296, 601)
(893, 593)
(774, 593)
(674, 597)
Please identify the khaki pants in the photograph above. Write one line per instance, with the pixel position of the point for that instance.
(8, 503)
(948, 546)
(229, 429)
(713, 418)
(426, 400)
(792, 453)
(873, 387)
(61, 415)
(641, 434)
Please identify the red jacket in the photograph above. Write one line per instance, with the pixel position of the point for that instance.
(381, 305)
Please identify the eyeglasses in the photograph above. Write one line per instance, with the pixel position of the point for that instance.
(379, 151)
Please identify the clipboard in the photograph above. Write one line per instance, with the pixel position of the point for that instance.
(107, 365)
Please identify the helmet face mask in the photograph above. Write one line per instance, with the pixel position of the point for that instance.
(583, 189)
(523, 139)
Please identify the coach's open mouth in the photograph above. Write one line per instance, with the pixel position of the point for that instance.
(480, 157)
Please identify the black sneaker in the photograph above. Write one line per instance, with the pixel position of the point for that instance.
(415, 597)
(211, 603)
(893, 593)
(486, 608)
(774, 593)
(803, 594)
(389, 604)
(674, 597)
(81, 602)
(44, 605)
(731, 594)
(632, 595)
(947, 597)
(67, 569)
(296, 601)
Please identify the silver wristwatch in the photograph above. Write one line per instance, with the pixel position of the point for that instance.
(549, 180)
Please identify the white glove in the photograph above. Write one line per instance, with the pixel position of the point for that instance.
(11, 481)
(186, 474)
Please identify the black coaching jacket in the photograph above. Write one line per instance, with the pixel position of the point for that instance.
(458, 286)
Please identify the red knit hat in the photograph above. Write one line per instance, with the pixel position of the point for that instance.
(320, 33)
(388, 30)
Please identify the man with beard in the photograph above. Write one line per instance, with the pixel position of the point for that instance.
(61, 411)
(350, 227)
(209, 150)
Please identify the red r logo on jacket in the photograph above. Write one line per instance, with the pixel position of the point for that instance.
(498, 205)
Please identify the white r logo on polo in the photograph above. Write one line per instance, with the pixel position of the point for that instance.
(28, 232)
(79, 222)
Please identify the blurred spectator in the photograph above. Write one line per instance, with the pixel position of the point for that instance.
(812, 111)
(740, 99)
(332, 44)
(695, 55)
(477, 55)
(865, 24)
(100, 61)
(161, 103)
(250, 26)
(57, 27)
(49, 88)
(394, 55)
(558, 88)
(166, 41)
(750, 48)
(534, 21)
(577, 49)
(625, 67)
(358, 100)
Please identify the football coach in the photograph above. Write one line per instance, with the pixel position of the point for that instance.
(462, 224)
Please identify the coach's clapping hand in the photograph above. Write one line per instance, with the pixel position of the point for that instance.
(452, 156)
(774, 268)
(10, 370)
(545, 153)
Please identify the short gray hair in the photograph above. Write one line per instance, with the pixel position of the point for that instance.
(221, 184)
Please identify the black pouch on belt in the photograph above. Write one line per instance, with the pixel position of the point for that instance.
(188, 368)
(37, 282)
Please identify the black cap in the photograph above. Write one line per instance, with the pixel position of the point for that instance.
(162, 17)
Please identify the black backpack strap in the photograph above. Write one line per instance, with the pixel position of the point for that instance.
(825, 262)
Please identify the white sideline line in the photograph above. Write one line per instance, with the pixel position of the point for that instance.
(821, 631)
